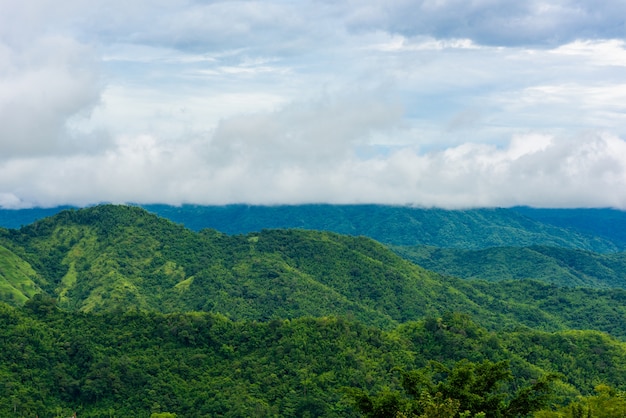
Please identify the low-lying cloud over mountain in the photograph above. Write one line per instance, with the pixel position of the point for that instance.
(446, 103)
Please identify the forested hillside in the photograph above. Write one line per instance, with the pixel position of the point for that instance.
(562, 266)
(403, 225)
(55, 363)
(16, 218)
(112, 310)
(604, 223)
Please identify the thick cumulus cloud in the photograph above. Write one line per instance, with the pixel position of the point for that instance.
(432, 103)
(315, 135)
(238, 163)
(43, 85)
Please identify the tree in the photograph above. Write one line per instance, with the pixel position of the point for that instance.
(606, 403)
(465, 390)
(41, 305)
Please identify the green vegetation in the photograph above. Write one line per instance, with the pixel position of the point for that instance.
(599, 230)
(54, 362)
(16, 218)
(113, 311)
(467, 389)
(409, 226)
(18, 280)
(606, 403)
(604, 223)
(562, 266)
(112, 258)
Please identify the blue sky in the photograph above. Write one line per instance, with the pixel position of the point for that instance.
(444, 103)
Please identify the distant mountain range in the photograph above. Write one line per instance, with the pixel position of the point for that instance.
(599, 230)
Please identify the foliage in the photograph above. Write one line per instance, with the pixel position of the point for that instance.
(467, 389)
(54, 362)
(187, 364)
(603, 223)
(550, 307)
(18, 280)
(121, 312)
(585, 358)
(115, 258)
(606, 403)
(591, 229)
(403, 225)
(561, 266)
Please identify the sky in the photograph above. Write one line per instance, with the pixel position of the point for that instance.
(431, 103)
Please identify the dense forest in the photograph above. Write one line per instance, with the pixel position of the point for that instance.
(115, 311)
(562, 266)
(137, 363)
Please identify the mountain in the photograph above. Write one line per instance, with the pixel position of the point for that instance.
(562, 266)
(599, 230)
(16, 218)
(117, 311)
(108, 258)
(118, 258)
(18, 281)
(604, 223)
(402, 225)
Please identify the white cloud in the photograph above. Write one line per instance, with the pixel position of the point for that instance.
(11, 201)
(42, 86)
(447, 103)
(603, 52)
(303, 135)
(530, 169)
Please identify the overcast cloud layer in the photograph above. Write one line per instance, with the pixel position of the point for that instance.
(448, 103)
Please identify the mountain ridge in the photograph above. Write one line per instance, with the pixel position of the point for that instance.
(401, 225)
(590, 229)
(114, 258)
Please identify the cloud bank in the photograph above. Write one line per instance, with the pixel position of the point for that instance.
(429, 103)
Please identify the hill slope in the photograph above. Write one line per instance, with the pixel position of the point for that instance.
(562, 266)
(18, 280)
(129, 340)
(109, 258)
(135, 364)
(604, 223)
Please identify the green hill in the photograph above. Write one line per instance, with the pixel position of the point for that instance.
(18, 280)
(562, 266)
(16, 218)
(604, 223)
(112, 258)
